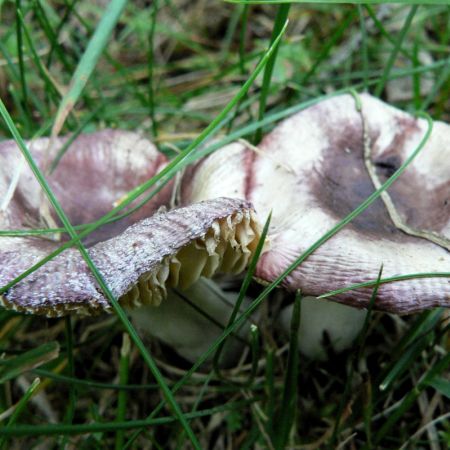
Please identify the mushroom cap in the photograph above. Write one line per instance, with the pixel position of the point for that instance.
(310, 172)
(97, 170)
(173, 248)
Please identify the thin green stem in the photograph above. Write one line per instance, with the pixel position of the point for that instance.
(124, 365)
(17, 411)
(280, 22)
(23, 81)
(150, 65)
(70, 412)
(392, 57)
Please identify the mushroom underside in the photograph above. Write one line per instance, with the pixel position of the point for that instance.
(226, 247)
(167, 249)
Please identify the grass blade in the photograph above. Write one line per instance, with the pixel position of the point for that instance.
(345, 398)
(18, 410)
(280, 21)
(123, 379)
(285, 420)
(418, 340)
(150, 65)
(406, 26)
(437, 369)
(13, 367)
(372, 283)
(70, 411)
(88, 61)
(337, 2)
(23, 82)
(89, 428)
(441, 385)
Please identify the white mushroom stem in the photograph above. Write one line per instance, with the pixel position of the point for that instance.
(323, 322)
(189, 329)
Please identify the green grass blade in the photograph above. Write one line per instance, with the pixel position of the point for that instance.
(361, 339)
(62, 151)
(201, 395)
(364, 48)
(392, 57)
(280, 22)
(13, 367)
(150, 65)
(22, 71)
(285, 419)
(88, 61)
(124, 366)
(19, 408)
(51, 89)
(345, 398)
(52, 37)
(336, 2)
(388, 36)
(70, 411)
(270, 390)
(242, 38)
(340, 30)
(366, 284)
(441, 385)
(412, 349)
(442, 79)
(255, 346)
(437, 369)
(89, 428)
(14, 75)
(19, 42)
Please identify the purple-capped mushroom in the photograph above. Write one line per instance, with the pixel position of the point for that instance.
(319, 165)
(138, 258)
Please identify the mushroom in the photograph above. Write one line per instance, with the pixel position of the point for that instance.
(319, 165)
(172, 248)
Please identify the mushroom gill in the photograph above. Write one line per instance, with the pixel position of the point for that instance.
(221, 244)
